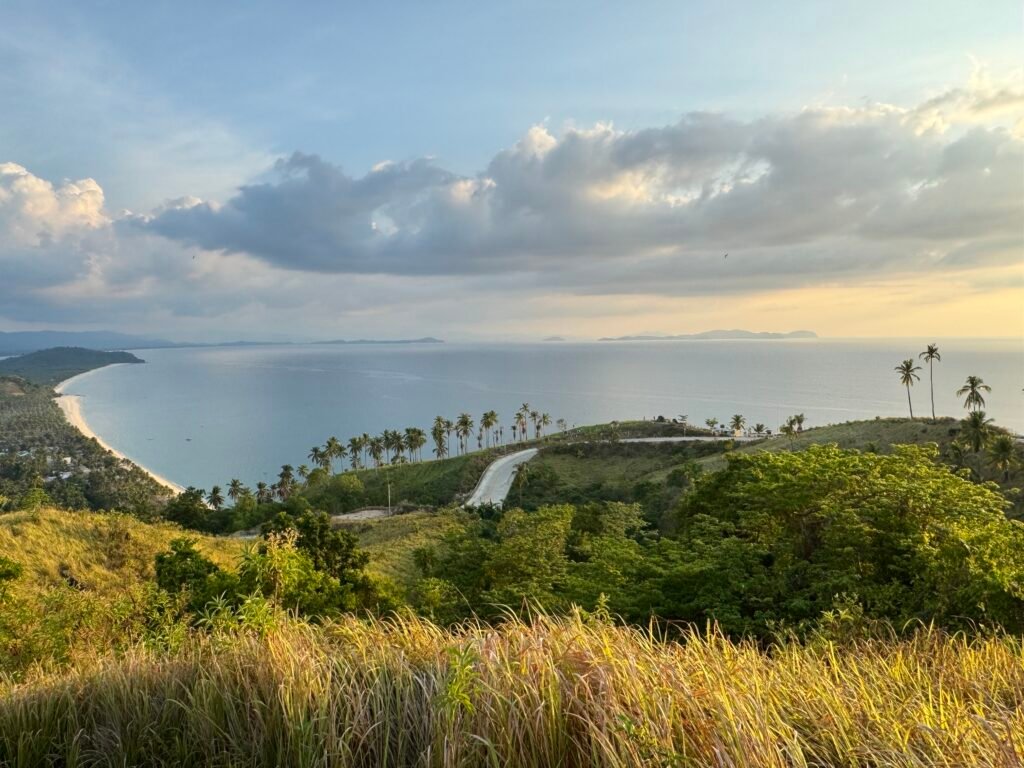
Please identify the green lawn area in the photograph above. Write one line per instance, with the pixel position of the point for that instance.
(427, 483)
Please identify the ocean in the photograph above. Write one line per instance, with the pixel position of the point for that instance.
(201, 416)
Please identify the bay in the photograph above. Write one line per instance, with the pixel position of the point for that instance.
(201, 416)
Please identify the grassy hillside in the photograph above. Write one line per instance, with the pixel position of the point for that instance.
(50, 366)
(102, 553)
(571, 692)
(391, 541)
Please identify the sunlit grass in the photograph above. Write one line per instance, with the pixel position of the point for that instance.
(554, 692)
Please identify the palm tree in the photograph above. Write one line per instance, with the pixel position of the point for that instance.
(376, 450)
(334, 449)
(798, 421)
(561, 424)
(737, 423)
(1002, 455)
(545, 421)
(463, 428)
(712, 423)
(908, 374)
(930, 355)
(759, 429)
(263, 493)
(303, 471)
(235, 489)
(438, 435)
(975, 430)
(355, 449)
(682, 420)
(215, 498)
(973, 388)
(535, 419)
(515, 428)
(317, 456)
(415, 439)
(449, 427)
(487, 423)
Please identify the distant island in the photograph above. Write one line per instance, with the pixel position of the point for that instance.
(718, 335)
(20, 342)
(50, 366)
(555, 338)
(424, 340)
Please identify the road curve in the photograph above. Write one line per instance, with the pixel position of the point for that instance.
(496, 481)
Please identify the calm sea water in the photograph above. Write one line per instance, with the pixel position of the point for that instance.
(203, 416)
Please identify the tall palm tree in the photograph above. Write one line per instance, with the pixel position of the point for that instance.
(682, 420)
(449, 427)
(263, 493)
(235, 489)
(712, 423)
(973, 388)
(798, 421)
(415, 439)
(316, 455)
(975, 430)
(545, 421)
(1002, 455)
(930, 355)
(908, 375)
(375, 447)
(215, 498)
(355, 449)
(487, 422)
(738, 422)
(303, 471)
(759, 429)
(334, 449)
(463, 428)
(437, 433)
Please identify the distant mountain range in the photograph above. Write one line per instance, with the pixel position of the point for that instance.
(424, 340)
(718, 336)
(21, 342)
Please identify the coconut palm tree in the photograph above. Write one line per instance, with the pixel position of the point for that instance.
(317, 456)
(738, 422)
(375, 447)
(545, 421)
(334, 449)
(235, 489)
(437, 433)
(487, 422)
(930, 355)
(759, 429)
(303, 471)
(263, 493)
(215, 498)
(463, 429)
(535, 420)
(683, 418)
(973, 388)
(1002, 455)
(908, 375)
(798, 422)
(355, 449)
(415, 439)
(712, 423)
(975, 429)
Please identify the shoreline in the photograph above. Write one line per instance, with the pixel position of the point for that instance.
(71, 406)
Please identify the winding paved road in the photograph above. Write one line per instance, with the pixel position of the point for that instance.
(496, 481)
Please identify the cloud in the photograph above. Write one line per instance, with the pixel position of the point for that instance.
(827, 196)
(824, 192)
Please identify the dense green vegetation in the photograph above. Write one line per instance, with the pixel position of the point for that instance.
(50, 366)
(43, 459)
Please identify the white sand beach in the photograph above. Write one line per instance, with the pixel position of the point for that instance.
(71, 405)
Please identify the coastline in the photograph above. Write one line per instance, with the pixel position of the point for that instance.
(71, 406)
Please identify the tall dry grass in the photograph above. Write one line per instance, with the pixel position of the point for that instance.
(556, 692)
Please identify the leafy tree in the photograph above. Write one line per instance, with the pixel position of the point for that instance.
(1002, 454)
(188, 509)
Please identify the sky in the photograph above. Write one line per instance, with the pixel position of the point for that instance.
(212, 171)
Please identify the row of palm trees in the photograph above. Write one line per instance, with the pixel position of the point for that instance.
(392, 447)
(972, 390)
